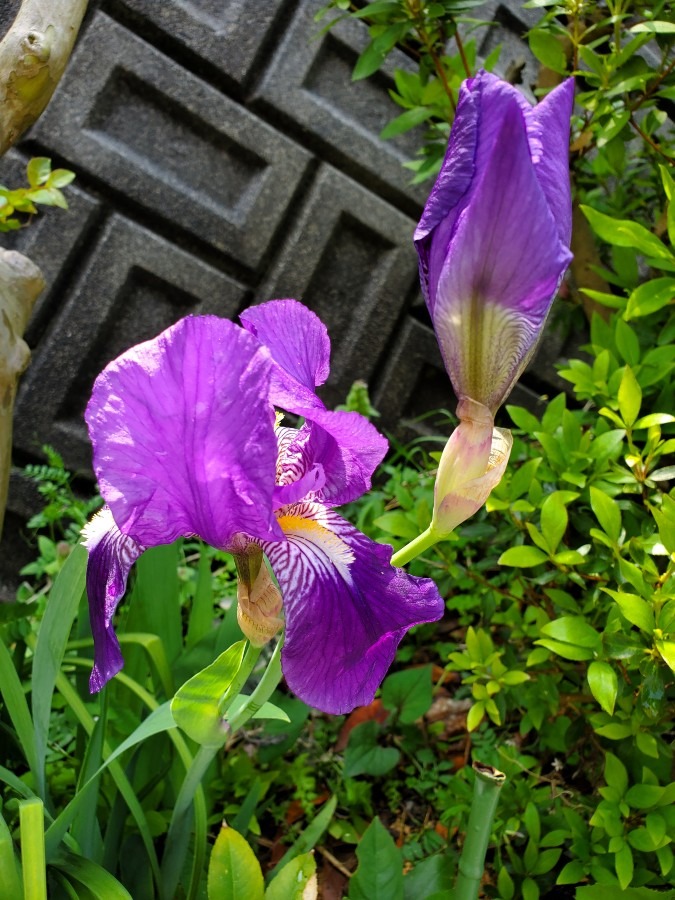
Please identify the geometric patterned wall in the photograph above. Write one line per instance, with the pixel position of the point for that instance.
(223, 158)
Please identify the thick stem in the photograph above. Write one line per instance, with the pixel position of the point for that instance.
(266, 686)
(486, 790)
(33, 56)
(418, 545)
(20, 284)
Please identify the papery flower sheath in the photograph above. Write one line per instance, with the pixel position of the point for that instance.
(186, 443)
(493, 240)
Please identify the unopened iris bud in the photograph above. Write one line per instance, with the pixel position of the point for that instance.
(259, 602)
(493, 241)
(472, 465)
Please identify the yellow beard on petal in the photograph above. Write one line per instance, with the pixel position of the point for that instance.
(320, 539)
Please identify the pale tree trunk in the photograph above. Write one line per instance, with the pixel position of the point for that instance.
(33, 55)
(20, 285)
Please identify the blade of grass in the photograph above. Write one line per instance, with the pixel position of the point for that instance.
(92, 876)
(10, 876)
(54, 838)
(309, 837)
(17, 707)
(55, 627)
(85, 827)
(156, 598)
(31, 823)
(152, 645)
(174, 735)
(201, 614)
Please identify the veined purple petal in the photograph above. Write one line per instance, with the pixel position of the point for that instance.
(349, 448)
(111, 556)
(298, 342)
(183, 435)
(346, 608)
(492, 240)
(548, 131)
(345, 446)
(500, 273)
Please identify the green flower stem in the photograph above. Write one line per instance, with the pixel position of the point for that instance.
(31, 820)
(421, 543)
(486, 790)
(264, 690)
(251, 657)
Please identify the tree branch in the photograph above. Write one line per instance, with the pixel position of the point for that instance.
(33, 56)
(20, 285)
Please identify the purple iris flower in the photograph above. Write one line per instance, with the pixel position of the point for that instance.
(493, 240)
(186, 443)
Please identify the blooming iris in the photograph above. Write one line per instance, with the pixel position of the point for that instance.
(493, 246)
(186, 444)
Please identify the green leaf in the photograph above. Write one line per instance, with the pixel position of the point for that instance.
(267, 710)
(629, 396)
(195, 706)
(623, 233)
(667, 651)
(548, 50)
(475, 716)
(522, 557)
(309, 837)
(567, 651)
(607, 513)
(60, 178)
(364, 756)
(17, 708)
(571, 873)
(91, 876)
(379, 875)
(10, 878)
(573, 630)
(296, 881)
(635, 609)
(409, 693)
(64, 599)
(429, 877)
(604, 684)
(234, 872)
(650, 297)
(411, 118)
(623, 862)
(554, 520)
(644, 796)
(397, 523)
(38, 170)
(655, 27)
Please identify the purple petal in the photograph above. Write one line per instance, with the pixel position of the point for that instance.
(344, 445)
(346, 608)
(111, 556)
(183, 435)
(548, 131)
(349, 448)
(501, 270)
(300, 347)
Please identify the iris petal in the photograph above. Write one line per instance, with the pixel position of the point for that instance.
(346, 607)
(183, 435)
(495, 289)
(298, 342)
(111, 556)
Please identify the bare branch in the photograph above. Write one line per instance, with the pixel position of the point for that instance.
(20, 285)
(33, 56)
